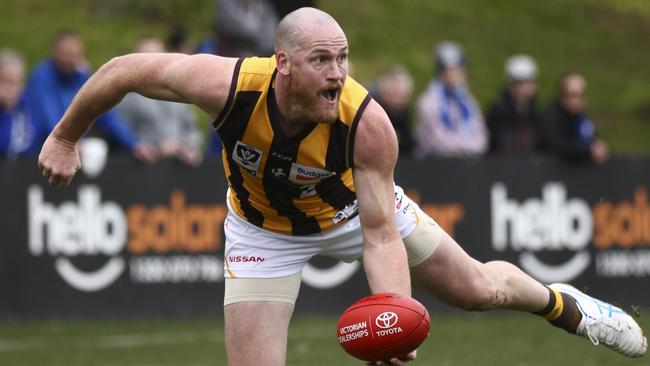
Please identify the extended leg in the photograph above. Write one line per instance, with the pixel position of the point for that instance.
(454, 277)
(451, 275)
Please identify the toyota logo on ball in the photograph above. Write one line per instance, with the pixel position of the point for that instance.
(386, 320)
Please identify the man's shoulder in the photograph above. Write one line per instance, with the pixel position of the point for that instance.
(375, 137)
(258, 65)
(44, 70)
(354, 100)
(427, 98)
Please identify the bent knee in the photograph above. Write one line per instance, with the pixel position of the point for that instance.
(483, 295)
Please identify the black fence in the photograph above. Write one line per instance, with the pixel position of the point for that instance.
(142, 240)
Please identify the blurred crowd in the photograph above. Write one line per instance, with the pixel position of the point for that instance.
(448, 121)
(445, 120)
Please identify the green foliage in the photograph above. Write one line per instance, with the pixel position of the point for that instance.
(604, 39)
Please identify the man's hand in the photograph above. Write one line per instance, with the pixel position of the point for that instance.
(145, 153)
(599, 151)
(395, 361)
(59, 160)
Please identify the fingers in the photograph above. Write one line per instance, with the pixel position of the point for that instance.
(395, 361)
(145, 153)
(57, 179)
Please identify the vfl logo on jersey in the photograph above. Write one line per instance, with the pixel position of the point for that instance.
(247, 157)
(301, 174)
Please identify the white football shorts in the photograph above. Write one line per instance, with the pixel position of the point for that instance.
(252, 252)
(261, 265)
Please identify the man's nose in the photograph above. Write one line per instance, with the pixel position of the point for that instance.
(334, 72)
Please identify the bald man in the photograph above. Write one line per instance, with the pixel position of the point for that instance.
(309, 158)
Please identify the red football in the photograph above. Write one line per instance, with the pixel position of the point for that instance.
(381, 326)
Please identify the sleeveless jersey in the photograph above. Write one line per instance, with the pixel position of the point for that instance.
(300, 185)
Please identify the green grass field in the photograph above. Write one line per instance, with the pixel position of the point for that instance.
(455, 340)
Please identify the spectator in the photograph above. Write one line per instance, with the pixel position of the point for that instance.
(18, 133)
(209, 44)
(568, 130)
(56, 80)
(177, 41)
(245, 27)
(393, 92)
(514, 119)
(283, 7)
(449, 121)
(168, 128)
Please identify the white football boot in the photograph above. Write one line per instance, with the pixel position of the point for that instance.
(607, 324)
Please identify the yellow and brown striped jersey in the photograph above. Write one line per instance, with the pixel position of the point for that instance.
(296, 185)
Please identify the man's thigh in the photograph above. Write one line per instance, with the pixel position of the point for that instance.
(256, 332)
(424, 239)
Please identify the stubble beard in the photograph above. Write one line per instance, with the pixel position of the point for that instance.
(307, 107)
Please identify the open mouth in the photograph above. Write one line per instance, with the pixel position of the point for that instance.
(330, 95)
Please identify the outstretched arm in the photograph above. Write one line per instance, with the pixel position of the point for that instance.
(203, 80)
(375, 154)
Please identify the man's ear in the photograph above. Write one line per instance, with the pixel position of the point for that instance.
(282, 62)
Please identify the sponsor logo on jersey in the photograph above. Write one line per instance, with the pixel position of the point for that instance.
(308, 191)
(348, 211)
(281, 156)
(278, 172)
(301, 174)
(247, 157)
(245, 259)
(398, 205)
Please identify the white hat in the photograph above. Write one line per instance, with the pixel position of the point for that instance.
(521, 67)
(449, 53)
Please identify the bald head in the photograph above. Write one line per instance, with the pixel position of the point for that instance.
(296, 26)
(573, 82)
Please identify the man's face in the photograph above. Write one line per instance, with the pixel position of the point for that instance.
(395, 93)
(573, 95)
(453, 76)
(11, 84)
(522, 90)
(318, 71)
(150, 45)
(68, 54)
